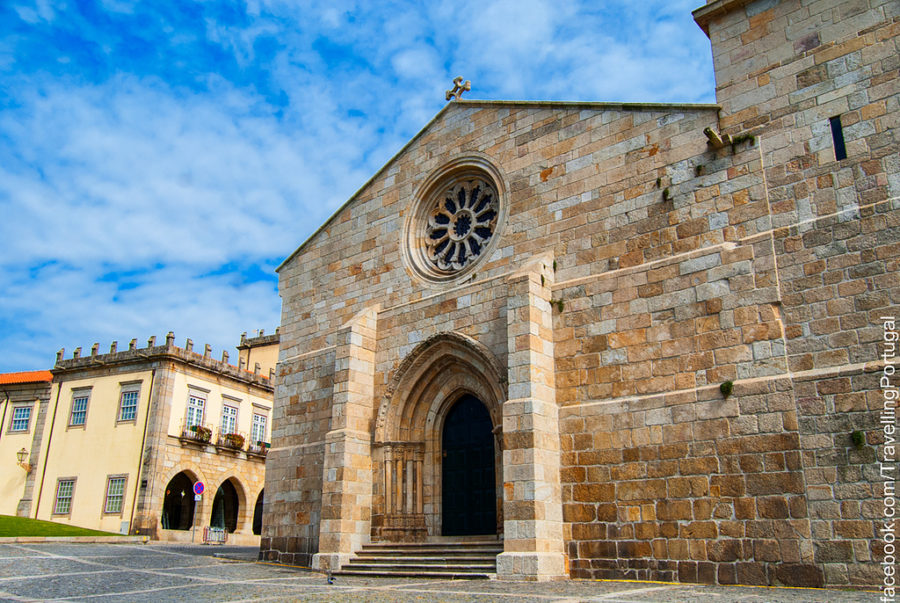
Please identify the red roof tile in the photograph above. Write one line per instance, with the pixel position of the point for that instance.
(25, 377)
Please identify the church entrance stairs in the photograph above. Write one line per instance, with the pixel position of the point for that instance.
(456, 558)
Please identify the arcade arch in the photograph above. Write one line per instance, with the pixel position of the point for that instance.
(178, 502)
(229, 506)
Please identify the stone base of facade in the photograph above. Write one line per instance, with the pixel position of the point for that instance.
(403, 528)
(195, 536)
(23, 509)
(326, 562)
(289, 551)
(244, 539)
(532, 566)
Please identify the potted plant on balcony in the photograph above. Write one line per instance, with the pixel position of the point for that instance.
(259, 447)
(201, 433)
(234, 440)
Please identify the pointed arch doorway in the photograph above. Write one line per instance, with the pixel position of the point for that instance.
(468, 482)
(448, 374)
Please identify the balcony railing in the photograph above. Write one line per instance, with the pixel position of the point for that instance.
(259, 448)
(200, 434)
(231, 440)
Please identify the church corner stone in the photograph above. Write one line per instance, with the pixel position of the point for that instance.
(533, 534)
(347, 471)
(582, 279)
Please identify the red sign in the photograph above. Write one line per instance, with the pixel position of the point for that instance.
(198, 487)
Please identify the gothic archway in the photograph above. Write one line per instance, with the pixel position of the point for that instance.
(407, 488)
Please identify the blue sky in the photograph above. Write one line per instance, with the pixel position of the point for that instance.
(159, 159)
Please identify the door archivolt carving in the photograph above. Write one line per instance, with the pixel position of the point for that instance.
(409, 425)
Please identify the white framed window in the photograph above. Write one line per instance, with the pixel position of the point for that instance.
(21, 418)
(115, 494)
(196, 403)
(65, 491)
(258, 429)
(128, 402)
(78, 414)
(229, 419)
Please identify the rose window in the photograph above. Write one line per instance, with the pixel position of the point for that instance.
(460, 224)
(455, 221)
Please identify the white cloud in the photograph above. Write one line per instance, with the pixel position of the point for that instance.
(62, 311)
(40, 10)
(415, 63)
(178, 178)
(133, 176)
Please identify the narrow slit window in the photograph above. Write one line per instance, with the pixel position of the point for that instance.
(837, 134)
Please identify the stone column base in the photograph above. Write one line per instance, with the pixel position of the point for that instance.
(531, 566)
(330, 562)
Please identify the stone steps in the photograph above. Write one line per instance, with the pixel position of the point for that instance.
(462, 559)
(422, 559)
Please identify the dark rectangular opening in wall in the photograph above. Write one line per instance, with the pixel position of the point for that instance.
(837, 134)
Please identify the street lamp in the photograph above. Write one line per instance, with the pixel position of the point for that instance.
(20, 457)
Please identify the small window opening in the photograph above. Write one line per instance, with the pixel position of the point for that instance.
(837, 134)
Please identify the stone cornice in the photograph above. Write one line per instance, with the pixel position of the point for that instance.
(161, 353)
(705, 14)
(261, 340)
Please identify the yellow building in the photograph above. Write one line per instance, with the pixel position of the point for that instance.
(24, 397)
(259, 353)
(130, 434)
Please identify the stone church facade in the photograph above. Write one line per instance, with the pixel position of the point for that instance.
(626, 340)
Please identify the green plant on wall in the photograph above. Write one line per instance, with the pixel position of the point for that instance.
(726, 388)
(740, 138)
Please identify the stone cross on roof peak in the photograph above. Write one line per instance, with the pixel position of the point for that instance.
(458, 88)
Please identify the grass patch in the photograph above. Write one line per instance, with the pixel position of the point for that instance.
(22, 526)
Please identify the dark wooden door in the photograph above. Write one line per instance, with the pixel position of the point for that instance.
(468, 488)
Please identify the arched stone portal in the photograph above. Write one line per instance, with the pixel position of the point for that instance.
(408, 452)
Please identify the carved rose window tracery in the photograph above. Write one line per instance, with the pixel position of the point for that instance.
(455, 221)
(460, 224)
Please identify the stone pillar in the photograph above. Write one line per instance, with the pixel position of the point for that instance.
(420, 492)
(532, 497)
(410, 495)
(41, 408)
(153, 468)
(400, 470)
(347, 470)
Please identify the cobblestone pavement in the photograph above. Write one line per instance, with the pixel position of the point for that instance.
(122, 572)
